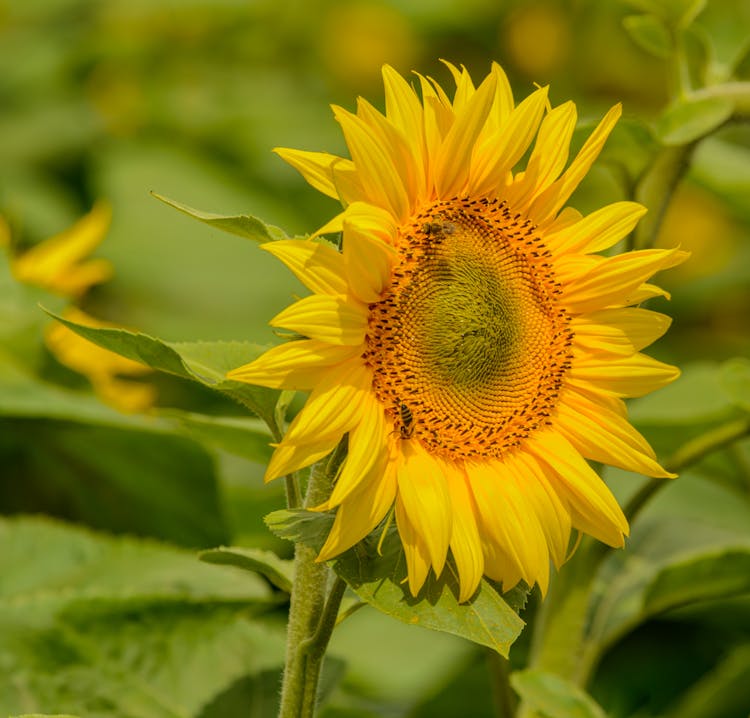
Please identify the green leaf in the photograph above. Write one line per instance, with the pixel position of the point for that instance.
(553, 697)
(650, 34)
(204, 362)
(691, 544)
(243, 225)
(690, 119)
(279, 572)
(129, 629)
(735, 380)
(379, 580)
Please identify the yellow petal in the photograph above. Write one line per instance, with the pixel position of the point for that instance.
(415, 549)
(465, 543)
(368, 450)
(554, 517)
(496, 155)
(593, 507)
(335, 405)
(506, 517)
(614, 279)
(361, 512)
(319, 267)
(548, 158)
(54, 263)
(618, 331)
(380, 179)
(368, 261)
(549, 202)
(294, 365)
(332, 319)
(452, 164)
(502, 103)
(497, 565)
(404, 110)
(288, 458)
(602, 435)
(624, 376)
(332, 175)
(423, 492)
(598, 231)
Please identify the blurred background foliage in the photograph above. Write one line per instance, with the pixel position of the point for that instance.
(104, 101)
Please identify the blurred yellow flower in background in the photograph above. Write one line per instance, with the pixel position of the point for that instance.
(62, 264)
(470, 338)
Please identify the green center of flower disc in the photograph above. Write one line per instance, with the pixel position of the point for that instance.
(469, 337)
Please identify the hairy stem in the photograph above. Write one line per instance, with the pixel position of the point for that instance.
(312, 612)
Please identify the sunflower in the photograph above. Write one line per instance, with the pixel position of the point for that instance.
(469, 337)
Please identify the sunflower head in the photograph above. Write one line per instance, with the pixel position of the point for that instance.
(470, 337)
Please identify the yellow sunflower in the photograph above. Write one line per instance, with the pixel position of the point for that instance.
(469, 337)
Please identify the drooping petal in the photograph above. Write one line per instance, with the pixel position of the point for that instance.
(594, 509)
(424, 495)
(415, 549)
(332, 319)
(504, 516)
(318, 266)
(288, 458)
(465, 543)
(602, 435)
(368, 450)
(361, 511)
(295, 365)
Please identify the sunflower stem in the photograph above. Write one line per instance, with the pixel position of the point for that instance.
(312, 611)
(503, 697)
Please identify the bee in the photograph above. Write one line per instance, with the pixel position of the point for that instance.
(407, 421)
(438, 227)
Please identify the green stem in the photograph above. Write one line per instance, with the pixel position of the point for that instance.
(687, 455)
(738, 92)
(655, 188)
(503, 697)
(312, 612)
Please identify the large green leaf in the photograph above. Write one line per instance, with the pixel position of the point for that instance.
(140, 482)
(378, 576)
(244, 225)
(204, 362)
(550, 696)
(691, 544)
(735, 380)
(118, 628)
